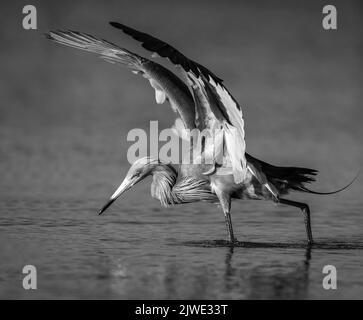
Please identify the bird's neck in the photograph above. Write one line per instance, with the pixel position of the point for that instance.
(168, 192)
(164, 179)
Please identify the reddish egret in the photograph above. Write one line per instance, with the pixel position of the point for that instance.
(201, 102)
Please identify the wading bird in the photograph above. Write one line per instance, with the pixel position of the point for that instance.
(201, 101)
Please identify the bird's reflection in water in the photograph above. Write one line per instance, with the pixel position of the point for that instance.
(219, 273)
(272, 281)
(212, 270)
(244, 274)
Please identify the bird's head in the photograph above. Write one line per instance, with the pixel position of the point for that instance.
(139, 170)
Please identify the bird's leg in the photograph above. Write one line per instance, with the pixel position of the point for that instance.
(306, 213)
(225, 201)
(228, 219)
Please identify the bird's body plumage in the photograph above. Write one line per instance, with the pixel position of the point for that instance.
(201, 102)
(171, 186)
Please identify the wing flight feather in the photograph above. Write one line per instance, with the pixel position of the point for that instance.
(213, 103)
(166, 84)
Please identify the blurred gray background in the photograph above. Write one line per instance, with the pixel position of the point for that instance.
(65, 114)
(299, 85)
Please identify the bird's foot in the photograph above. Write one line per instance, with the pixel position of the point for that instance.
(232, 241)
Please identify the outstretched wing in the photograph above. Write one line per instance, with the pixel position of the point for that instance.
(166, 84)
(214, 104)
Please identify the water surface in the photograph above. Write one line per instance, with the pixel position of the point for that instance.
(147, 253)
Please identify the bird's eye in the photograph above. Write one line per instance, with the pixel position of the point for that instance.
(136, 174)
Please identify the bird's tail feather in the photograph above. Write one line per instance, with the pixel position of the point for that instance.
(107, 50)
(304, 189)
(286, 179)
(289, 178)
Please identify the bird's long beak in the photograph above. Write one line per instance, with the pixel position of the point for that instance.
(125, 185)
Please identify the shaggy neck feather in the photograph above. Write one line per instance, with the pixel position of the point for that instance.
(168, 192)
